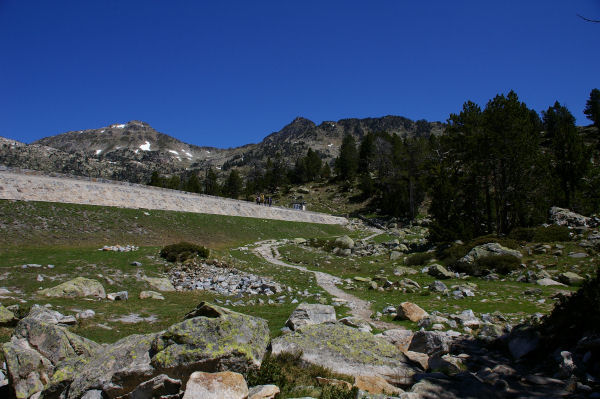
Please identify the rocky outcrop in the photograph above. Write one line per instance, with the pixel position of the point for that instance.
(308, 314)
(78, 287)
(346, 350)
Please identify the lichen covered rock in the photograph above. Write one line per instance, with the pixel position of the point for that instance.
(346, 350)
(306, 314)
(226, 340)
(78, 287)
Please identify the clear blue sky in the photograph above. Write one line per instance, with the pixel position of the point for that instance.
(226, 73)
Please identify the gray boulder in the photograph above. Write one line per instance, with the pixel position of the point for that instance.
(565, 217)
(118, 296)
(7, 318)
(438, 271)
(430, 342)
(570, 278)
(346, 350)
(219, 340)
(306, 314)
(78, 287)
(488, 250)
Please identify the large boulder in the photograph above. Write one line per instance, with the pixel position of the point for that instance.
(430, 342)
(346, 350)
(221, 340)
(306, 314)
(38, 350)
(117, 369)
(565, 217)
(344, 242)
(410, 311)
(570, 278)
(78, 287)
(224, 385)
(488, 250)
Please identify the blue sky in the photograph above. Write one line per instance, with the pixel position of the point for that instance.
(226, 73)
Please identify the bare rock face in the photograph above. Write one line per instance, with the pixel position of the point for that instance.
(308, 314)
(223, 385)
(410, 311)
(78, 287)
(346, 350)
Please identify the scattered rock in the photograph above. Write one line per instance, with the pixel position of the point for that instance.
(376, 385)
(118, 296)
(151, 295)
(402, 270)
(545, 282)
(119, 248)
(160, 283)
(438, 271)
(78, 287)
(438, 286)
(86, 314)
(334, 382)
(400, 338)
(306, 314)
(222, 385)
(410, 311)
(264, 392)
(430, 342)
(136, 263)
(160, 386)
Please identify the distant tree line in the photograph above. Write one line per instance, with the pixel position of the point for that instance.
(493, 170)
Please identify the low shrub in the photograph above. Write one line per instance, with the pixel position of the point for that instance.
(288, 371)
(541, 234)
(323, 243)
(419, 259)
(502, 264)
(183, 251)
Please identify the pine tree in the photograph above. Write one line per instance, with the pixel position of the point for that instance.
(211, 186)
(570, 160)
(232, 187)
(592, 108)
(193, 184)
(346, 164)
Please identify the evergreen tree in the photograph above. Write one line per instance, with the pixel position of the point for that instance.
(570, 160)
(193, 184)
(156, 180)
(211, 186)
(592, 108)
(173, 182)
(232, 187)
(366, 153)
(326, 171)
(346, 164)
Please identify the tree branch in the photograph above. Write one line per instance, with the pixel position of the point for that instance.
(589, 20)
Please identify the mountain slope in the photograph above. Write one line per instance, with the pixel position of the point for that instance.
(131, 151)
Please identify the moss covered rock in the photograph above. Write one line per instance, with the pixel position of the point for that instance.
(346, 350)
(7, 318)
(78, 287)
(217, 339)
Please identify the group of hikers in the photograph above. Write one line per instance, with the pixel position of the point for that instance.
(262, 200)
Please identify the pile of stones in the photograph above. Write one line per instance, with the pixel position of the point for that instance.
(119, 248)
(221, 279)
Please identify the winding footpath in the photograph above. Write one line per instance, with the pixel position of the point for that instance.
(359, 308)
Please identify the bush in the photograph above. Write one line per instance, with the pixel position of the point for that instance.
(419, 259)
(288, 371)
(183, 251)
(541, 234)
(502, 264)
